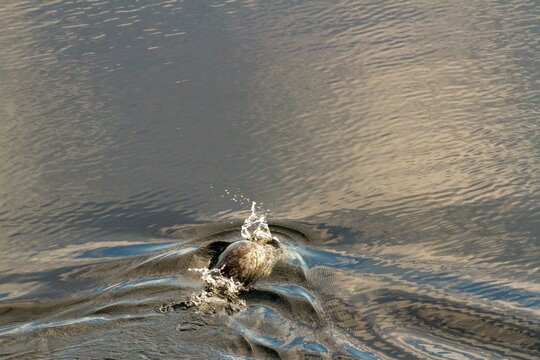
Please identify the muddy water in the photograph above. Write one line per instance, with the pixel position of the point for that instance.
(393, 146)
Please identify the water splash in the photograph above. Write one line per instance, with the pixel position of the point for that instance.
(222, 292)
(255, 227)
(219, 284)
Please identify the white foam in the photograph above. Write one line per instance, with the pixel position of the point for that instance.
(220, 292)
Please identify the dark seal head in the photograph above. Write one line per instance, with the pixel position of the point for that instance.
(246, 261)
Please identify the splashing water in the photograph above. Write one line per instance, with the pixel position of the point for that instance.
(218, 284)
(222, 292)
(255, 227)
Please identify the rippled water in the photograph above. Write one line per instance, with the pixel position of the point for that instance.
(396, 146)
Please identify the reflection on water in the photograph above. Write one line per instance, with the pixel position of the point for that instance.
(402, 136)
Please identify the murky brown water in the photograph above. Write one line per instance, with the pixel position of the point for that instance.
(394, 144)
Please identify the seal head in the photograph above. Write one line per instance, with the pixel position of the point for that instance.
(246, 261)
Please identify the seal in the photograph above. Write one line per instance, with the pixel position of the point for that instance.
(246, 261)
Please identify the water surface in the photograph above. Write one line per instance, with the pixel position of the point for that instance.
(395, 146)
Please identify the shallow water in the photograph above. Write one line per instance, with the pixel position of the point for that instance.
(395, 147)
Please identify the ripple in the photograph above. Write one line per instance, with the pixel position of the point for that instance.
(396, 143)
